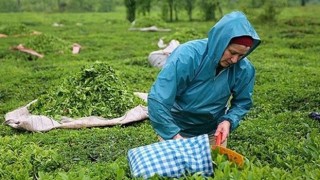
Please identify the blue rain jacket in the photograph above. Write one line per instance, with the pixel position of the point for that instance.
(189, 98)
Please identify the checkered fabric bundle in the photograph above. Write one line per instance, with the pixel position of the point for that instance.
(172, 158)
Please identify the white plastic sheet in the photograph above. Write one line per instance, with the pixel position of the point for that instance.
(21, 118)
(158, 58)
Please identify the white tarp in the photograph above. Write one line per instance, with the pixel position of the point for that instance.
(21, 118)
(158, 58)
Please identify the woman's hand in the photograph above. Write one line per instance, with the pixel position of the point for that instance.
(224, 128)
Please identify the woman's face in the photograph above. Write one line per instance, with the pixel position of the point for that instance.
(232, 54)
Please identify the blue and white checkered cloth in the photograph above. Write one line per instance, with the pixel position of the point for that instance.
(172, 158)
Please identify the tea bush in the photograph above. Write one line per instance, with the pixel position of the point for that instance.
(277, 137)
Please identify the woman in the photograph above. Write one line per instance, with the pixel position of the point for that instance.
(191, 93)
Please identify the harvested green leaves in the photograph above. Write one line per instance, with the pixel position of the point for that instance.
(43, 44)
(95, 90)
(46, 44)
(146, 21)
(184, 35)
(15, 29)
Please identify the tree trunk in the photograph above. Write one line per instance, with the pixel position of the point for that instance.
(189, 9)
(176, 12)
(219, 8)
(170, 3)
(19, 4)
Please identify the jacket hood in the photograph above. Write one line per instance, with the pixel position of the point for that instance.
(232, 25)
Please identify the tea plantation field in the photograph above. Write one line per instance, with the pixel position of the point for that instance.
(278, 138)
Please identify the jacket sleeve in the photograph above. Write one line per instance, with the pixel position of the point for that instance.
(241, 100)
(170, 81)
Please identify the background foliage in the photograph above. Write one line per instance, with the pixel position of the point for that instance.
(277, 137)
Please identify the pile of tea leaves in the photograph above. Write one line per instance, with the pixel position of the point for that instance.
(15, 29)
(46, 44)
(184, 34)
(147, 21)
(95, 91)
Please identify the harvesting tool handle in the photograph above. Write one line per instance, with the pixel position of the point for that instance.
(218, 139)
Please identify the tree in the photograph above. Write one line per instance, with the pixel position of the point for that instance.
(169, 9)
(170, 5)
(208, 8)
(61, 6)
(106, 5)
(9, 6)
(189, 8)
(19, 4)
(303, 2)
(131, 9)
(144, 6)
(270, 10)
(175, 9)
